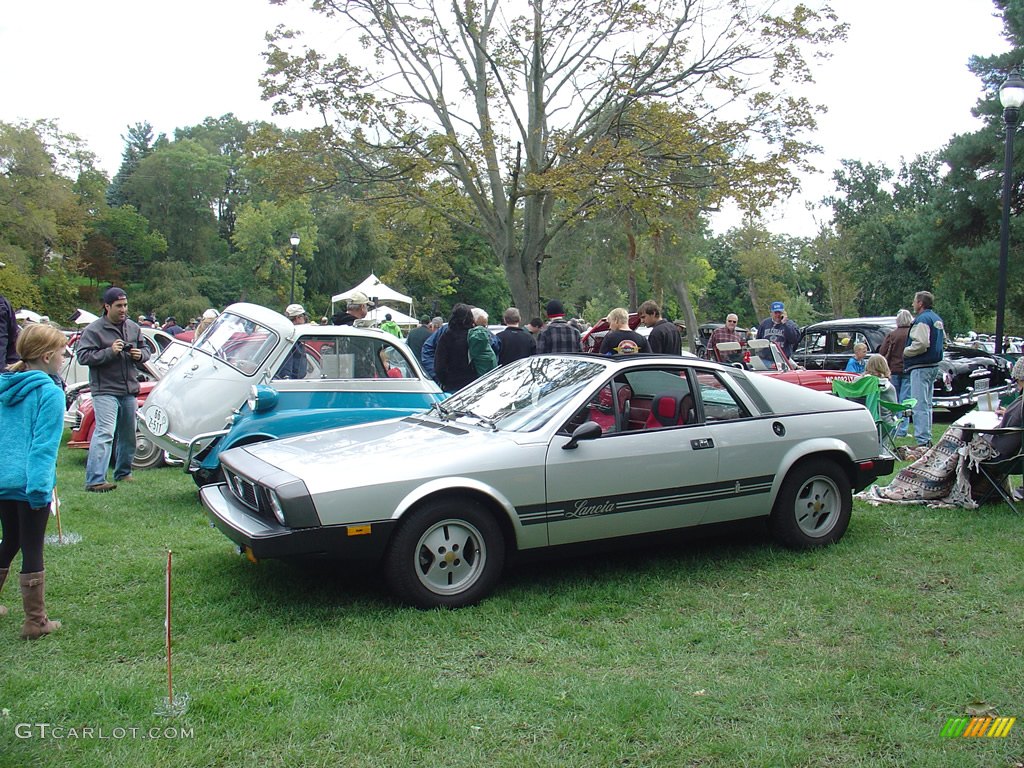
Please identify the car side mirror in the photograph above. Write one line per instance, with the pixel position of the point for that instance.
(588, 430)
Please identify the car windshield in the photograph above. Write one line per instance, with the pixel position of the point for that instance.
(523, 396)
(238, 341)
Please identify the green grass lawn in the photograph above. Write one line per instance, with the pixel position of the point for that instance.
(701, 651)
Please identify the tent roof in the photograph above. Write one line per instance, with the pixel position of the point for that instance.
(374, 289)
(377, 315)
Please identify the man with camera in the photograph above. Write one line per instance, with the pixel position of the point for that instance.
(112, 349)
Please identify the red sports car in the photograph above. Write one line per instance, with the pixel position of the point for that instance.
(763, 356)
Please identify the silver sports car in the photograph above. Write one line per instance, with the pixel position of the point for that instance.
(552, 450)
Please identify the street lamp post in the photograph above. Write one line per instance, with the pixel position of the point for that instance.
(1011, 96)
(294, 239)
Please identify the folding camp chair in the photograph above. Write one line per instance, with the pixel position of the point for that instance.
(866, 391)
(996, 471)
(863, 390)
(887, 429)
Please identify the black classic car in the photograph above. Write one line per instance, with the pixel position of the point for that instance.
(964, 372)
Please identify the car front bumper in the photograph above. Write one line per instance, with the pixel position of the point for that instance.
(259, 538)
(967, 399)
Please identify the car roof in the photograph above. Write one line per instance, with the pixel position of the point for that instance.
(843, 322)
(278, 322)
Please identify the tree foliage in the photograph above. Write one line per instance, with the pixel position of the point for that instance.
(526, 106)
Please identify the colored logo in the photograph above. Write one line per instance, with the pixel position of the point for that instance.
(975, 727)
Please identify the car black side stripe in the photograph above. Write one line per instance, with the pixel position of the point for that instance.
(593, 506)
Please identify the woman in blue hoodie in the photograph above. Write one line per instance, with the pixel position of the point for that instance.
(31, 424)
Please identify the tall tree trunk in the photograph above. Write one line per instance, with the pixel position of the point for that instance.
(631, 264)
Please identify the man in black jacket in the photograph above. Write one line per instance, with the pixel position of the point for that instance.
(112, 348)
(515, 342)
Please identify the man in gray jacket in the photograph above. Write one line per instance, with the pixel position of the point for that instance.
(112, 348)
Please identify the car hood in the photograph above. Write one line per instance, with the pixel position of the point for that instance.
(385, 451)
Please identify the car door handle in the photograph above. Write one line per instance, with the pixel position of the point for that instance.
(702, 443)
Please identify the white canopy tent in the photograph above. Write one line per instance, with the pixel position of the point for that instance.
(28, 316)
(377, 315)
(377, 292)
(83, 317)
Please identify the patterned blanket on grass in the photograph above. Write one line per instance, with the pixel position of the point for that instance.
(939, 478)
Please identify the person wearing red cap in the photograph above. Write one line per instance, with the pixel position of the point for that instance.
(113, 350)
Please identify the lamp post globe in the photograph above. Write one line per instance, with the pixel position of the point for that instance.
(294, 240)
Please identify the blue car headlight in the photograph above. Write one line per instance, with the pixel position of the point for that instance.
(262, 398)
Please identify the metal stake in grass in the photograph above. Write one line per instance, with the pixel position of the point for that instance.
(171, 707)
(61, 540)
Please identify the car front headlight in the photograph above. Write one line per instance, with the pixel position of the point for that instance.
(261, 398)
(275, 506)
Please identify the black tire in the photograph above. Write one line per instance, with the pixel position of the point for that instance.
(147, 453)
(448, 553)
(813, 507)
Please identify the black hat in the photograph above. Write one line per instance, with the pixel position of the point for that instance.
(554, 308)
(112, 294)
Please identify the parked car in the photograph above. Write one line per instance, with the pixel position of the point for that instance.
(767, 357)
(552, 450)
(82, 420)
(224, 391)
(963, 372)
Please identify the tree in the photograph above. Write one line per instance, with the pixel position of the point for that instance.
(40, 215)
(122, 245)
(262, 237)
(517, 111)
(138, 146)
(174, 187)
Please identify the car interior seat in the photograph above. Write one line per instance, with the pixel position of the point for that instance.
(664, 411)
(687, 410)
(623, 394)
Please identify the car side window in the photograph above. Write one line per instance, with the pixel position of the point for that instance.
(355, 357)
(600, 409)
(719, 403)
(813, 344)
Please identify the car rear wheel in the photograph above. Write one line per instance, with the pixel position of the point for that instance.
(813, 507)
(147, 453)
(449, 553)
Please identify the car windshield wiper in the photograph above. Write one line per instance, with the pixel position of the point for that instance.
(486, 420)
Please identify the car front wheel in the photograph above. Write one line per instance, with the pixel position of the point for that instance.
(813, 507)
(147, 453)
(448, 554)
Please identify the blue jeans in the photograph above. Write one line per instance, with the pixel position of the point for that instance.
(901, 381)
(922, 386)
(115, 416)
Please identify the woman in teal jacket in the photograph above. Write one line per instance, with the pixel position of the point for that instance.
(31, 424)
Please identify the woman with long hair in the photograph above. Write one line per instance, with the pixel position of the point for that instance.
(451, 359)
(31, 424)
